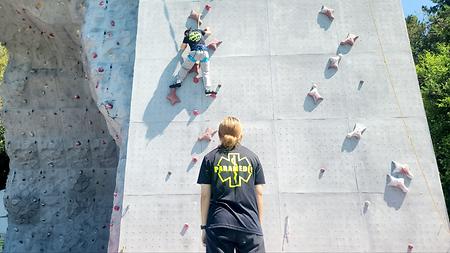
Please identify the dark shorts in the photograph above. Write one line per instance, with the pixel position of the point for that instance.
(224, 240)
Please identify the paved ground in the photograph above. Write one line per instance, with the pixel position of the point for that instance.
(273, 51)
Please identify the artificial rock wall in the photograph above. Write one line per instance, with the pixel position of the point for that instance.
(66, 95)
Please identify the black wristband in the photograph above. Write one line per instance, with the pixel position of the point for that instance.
(202, 227)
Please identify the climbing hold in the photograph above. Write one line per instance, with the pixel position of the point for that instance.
(350, 40)
(94, 55)
(410, 247)
(172, 97)
(195, 16)
(102, 4)
(207, 135)
(322, 170)
(113, 23)
(398, 183)
(116, 208)
(314, 93)
(357, 132)
(169, 173)
(76, 97)
(31, 134)
(366, 204)
(194, 159)
(108, 106)
(77, 143)
(327, 12)
(51, 35)
(334, 61)
(214, 44)
(208, 7)
(196, 79)
(100, 69)
(195, 112)
(403, 169)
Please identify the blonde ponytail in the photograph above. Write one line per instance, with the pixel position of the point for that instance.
(230, 132)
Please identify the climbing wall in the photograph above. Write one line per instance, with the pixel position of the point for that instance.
(326, 191)
(65, 106)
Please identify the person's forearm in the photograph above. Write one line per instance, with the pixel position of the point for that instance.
(259, 202)
(204, 203)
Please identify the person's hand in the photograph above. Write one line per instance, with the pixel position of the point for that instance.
(203, 238)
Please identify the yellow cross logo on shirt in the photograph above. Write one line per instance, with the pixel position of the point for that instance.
(234, 169)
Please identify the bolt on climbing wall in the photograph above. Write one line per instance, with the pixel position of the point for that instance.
(330, 102)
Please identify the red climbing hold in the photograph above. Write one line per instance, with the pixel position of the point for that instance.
(196, 79)
(327, 12)
(194, 159)
(350, 40)
(195, 112)
(172, 97)
(100, 69)
(94, 55)
(116, 208)
(410, 247)
(214, 44)
(208, 7)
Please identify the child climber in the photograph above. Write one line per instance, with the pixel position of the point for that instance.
(199, 54)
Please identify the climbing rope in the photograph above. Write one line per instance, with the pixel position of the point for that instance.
(405, 125)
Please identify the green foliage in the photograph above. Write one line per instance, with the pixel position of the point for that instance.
(430, 44)
(3, 60)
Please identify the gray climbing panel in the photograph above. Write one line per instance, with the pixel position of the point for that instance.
(272, 53)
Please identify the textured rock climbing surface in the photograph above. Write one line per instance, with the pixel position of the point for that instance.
(66, 97)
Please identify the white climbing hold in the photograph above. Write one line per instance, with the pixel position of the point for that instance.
(314, 93)
(327, 12)
(357, 132)
(350, 40)
(403, 169)
(398, 183)
(333, 62)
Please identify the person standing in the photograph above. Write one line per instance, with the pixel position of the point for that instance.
(231, 179)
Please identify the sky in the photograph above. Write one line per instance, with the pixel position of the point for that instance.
(415, 7)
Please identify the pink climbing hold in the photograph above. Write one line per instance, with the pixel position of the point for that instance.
(214, 44)
(208, 7)
(195, 16)
(116, 208)
(314, 93)
(100, 69)
(350, 40)
(410, 247)
(102, 4)
(398, 183)
(403, 169)
(333, 62)
(94, 55)
(327, 12)
(195, 112)
(207, 135)
(194, 159)
(116, 194)
(108, 106)
(172, 97)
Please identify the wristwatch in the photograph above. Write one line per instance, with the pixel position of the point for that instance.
(202, 227)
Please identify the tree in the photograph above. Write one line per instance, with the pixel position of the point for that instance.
(430, 45)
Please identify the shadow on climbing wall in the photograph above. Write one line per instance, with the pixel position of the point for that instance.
(329, 72)
(159, 112)
(343, 49)
(309, 105)
(323, 21)
(349, 144)
(394, 197)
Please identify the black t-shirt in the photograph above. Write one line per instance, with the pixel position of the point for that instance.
(195, 39)
(233, 175)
